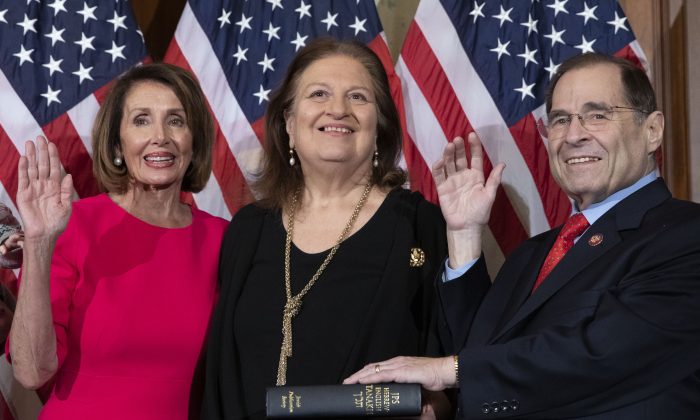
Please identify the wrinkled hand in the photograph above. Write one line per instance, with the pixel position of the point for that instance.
(12, 243)
(434, 374)
(465, 198)
(43, 198)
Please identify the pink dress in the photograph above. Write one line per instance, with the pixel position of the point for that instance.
(131, 307)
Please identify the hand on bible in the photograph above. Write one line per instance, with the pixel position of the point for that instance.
(434, 374)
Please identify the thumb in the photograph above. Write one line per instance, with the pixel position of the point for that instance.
(494, 179)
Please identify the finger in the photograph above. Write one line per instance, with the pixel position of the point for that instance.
(30, 151)
(438, 172)
(3, 250)
(54, 162)
(477, 152)
(13, 240)
(494, 179)
(448, 155)
(460, 154)
(22, 176)
(67, 190)
(366, 370)
(42, 157)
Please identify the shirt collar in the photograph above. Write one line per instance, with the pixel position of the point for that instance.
(595, 211)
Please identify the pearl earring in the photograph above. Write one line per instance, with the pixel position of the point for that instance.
(292, 161)
(118, 161)
(375, 161)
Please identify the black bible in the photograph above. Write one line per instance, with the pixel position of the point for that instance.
(357, 400)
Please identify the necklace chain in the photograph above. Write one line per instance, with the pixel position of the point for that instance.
(293, 304)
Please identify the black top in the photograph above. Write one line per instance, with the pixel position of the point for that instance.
(332, 312)
(370, 305)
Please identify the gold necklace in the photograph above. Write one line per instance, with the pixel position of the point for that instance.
(293, 304)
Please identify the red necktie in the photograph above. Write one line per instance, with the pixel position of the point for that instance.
(573, 228)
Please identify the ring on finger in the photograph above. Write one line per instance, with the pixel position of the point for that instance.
(377, 368)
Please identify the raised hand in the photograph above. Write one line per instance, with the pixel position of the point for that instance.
(465, 198)
(43, 198)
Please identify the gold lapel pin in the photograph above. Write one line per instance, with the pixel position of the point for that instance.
(417, 257)
(596, 239)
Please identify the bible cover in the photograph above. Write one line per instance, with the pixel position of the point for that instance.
(344, 400)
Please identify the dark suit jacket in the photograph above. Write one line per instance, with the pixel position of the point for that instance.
(612, 333)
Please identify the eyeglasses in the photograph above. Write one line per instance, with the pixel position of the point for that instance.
(593, 121)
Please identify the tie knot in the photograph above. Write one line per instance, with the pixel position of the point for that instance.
(574, 227)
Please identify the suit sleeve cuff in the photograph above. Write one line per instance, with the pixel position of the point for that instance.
(450, 274)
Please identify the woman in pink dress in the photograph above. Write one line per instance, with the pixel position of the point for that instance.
(117, 289)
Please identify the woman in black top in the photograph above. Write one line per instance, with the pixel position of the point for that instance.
(334, 267)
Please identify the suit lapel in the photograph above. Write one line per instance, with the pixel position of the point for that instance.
(506, 296)
(628, 214)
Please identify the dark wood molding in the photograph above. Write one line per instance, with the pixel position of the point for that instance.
(671, 59)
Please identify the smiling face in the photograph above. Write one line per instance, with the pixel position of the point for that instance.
(156, 142)
(333, 118)
(589, 167)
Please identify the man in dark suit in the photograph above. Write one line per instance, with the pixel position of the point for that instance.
(599, 319)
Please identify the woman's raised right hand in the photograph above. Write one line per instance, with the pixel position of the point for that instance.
(43, 196)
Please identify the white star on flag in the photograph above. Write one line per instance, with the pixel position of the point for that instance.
(299, 42)
(55, 35)
(525, 90)
(556, 36)
(271, 32)
(552, 69)
(529, 56)
(585, 45)
(83, 73)
(303, 10)
(117, 21)
(531, 25)
(85, 43)
(266, 63)
(224, 18)
(53, 65)
(275, 4)
(330, 21)
(51, 95)
(504, 16)
(24, 55)
(501, 48)
(27, 24)
(559, 6)
(358, 26)
(88, 12)
(618, 23)
(262, 95)
(588, 13)
(116, 51)
(58, 6)
(240, 54)
(476, 11)
(244, 23)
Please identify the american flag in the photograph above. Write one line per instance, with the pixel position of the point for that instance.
(239, 51)
(483, 66)
(57, 59)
